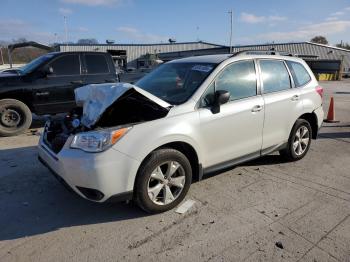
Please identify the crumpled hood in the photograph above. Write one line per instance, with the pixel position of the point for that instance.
(96, 99)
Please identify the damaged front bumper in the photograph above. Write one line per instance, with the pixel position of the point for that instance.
(98, 175)
(94, 176)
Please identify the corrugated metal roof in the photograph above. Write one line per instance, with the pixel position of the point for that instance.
(294, 43)
(135, 51)
(178, 50)
(305, 48)
(141, 44)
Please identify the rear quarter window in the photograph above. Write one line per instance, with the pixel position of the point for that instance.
(96, 64)
(300, 74)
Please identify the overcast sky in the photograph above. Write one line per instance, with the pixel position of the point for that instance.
(148, 21)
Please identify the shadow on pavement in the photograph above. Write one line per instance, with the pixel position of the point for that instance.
(38, 123)
(335, 126)
(334, 135)
(262, 161)
(266, 160)
(33, 202)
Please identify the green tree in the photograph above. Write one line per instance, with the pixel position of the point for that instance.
(343, 45)
(88, 41)
(319, 40)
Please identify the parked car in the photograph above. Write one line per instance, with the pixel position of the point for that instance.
(188, 117)
(46, 86)
(131, 69)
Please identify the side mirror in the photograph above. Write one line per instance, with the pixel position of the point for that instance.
(47, 70)
(221, 97)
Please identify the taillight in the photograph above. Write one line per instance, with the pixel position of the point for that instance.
(319, 90)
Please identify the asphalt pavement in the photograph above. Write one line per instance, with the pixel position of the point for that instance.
(264, 210)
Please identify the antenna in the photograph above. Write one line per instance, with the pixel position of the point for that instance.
(66, 28)
(231, 24)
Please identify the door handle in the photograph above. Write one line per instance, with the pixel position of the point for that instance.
(295, 98)
(257, 108)
(42, 93)
(77, 82)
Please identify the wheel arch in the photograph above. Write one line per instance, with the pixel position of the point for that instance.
(191, 154)
(312, 119)
(187, 149)
(20, 96)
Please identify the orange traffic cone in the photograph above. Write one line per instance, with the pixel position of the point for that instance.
(331, 113)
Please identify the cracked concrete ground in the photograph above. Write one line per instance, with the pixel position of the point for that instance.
(239, 215)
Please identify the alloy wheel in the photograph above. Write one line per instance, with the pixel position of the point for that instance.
(166, 183)
(301, 140)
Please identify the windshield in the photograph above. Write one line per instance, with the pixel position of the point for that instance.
(176, 82)
(33, 64)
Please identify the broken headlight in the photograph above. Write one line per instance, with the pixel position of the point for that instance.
(97, 141)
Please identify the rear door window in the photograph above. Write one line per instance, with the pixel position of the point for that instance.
(275, 76)
(96, 64)
(66, 65)
(300, 75)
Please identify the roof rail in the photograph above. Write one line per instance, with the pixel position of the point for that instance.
(261, 52)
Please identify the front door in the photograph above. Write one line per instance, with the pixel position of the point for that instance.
(55, 92)
(236, 131)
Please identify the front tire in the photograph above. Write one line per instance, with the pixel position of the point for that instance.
(163, 180)
(299, 141)
(15, 117)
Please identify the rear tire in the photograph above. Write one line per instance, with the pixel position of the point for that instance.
(299, 141)
(163, 180)
(15, 117)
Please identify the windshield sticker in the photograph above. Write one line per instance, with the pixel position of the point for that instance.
(202, 68)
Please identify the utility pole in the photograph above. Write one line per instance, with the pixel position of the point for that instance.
(56, 39)
(66, 28)
(231, 24)
(9, 56)
(197, 29)
(2, 57)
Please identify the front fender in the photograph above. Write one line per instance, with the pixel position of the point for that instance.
(144, 138)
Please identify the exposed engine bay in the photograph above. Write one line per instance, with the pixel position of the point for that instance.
(104, 106)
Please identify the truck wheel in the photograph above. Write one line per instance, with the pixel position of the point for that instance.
(15, 117)
(163, 180)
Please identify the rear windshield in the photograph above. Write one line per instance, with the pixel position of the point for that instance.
(176, 82)
(96, 64)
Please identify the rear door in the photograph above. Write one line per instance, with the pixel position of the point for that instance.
(282, 102)
(236, 131)
(303, 81)
(97, 69)
(55, 92)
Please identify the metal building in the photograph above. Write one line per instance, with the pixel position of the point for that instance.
(127, 54)
(321, 58)
(307, 51)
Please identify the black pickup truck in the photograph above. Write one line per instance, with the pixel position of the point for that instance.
(46, 86)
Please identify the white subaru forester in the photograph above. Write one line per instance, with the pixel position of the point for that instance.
(191, 116)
